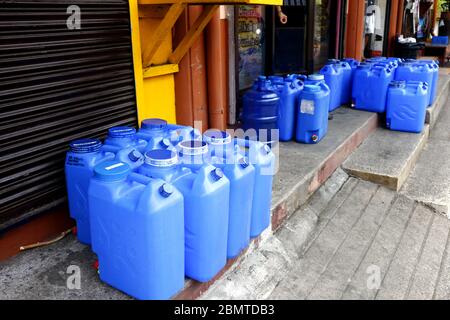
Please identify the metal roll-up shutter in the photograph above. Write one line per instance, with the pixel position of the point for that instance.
(57, 84)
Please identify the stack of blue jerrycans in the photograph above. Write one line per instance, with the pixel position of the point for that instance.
(261, 110)
(370, 86)
(313, 106)
(406, 105)
(288, 90)
(420, 70)
(122, 144)
(182, 212)
(338, 77)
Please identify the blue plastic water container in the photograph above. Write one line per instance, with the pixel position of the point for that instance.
(155, 132)
(347, 78)
(137, 232)
(434, 65)
(406, 106)
(241, 175)
(334, 78)
(262, 158)
(261, 111)
(370, 86)
(312, 120)
(288, 91)
(123, 137)
(83, 156)
(412, 71)
(206, 194)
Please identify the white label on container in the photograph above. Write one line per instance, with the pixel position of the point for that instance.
(114, 166)
(307, 106)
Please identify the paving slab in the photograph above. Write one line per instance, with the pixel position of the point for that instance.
(429, 182)
(334, 280)
(366, 280)
(387, 157)
(423, 283)
(397, 278)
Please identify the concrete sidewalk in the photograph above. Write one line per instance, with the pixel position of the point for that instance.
(369, 243)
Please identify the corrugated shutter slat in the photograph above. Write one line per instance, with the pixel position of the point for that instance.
(57, 85)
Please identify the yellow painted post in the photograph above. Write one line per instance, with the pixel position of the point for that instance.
(155, 89)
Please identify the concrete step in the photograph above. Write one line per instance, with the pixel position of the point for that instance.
(429, 182)
(387, 157)
(441, 99)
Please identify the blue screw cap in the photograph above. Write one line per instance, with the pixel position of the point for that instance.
(165, 143)
(122, 132)
(217, 174)
(134, 156)
(166, 190)
(244, 163)
(154, 124)
(85, 145)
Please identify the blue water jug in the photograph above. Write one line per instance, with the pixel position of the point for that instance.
(83, 156)
(288, 91)
(206, 194)
(334, 78)
(347, 78)
(406, 106)
(434, 65)
(123, 137)
(312, 118)
(261, 111)
(370, 86)
(155, 132)
(137, 232)
(412, 71)
(262, 158)
(130, 156)
(242, 179)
